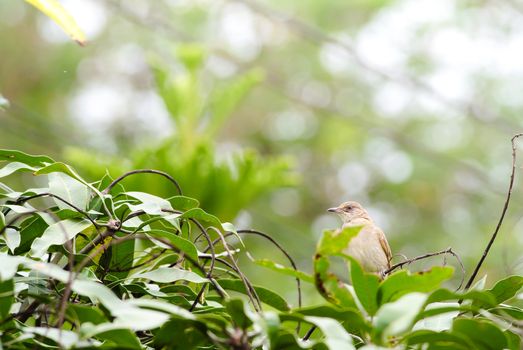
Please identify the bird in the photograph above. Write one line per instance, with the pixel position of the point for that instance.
(370, 246)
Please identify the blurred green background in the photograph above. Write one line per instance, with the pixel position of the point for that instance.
(269, 112)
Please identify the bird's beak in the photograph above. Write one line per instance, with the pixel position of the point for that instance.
(333, 210)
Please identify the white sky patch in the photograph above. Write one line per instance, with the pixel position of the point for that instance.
(391, 100)
(238, 31)
(150, 110)
(96, 104)
(335, 59)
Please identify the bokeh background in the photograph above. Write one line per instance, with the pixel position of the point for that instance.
(269, 112)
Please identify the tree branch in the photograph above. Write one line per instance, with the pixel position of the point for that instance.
(503, 212)
(143, 171)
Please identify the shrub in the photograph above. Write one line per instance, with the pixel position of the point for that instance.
(91, 265)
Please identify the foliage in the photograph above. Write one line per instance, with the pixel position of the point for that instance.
(92, 265)
(197, 115)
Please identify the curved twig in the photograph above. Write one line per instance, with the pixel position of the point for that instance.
(429, 255)
(143, 171)
(251, 292)
(287, 255)
(119, 240)
(503, 212)
(213, 259)
(47, 194)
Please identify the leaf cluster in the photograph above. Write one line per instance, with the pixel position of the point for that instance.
(92, 265)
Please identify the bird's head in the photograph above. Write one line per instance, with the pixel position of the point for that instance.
(349, 211)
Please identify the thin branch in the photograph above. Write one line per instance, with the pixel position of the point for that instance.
(251, 292)
(281, 249)
(430, 255)
(309, 333)
(503, 212)
(70, 279)
(84, 213)
(143, 171)
(128, 237)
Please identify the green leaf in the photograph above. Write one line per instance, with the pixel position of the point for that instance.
(183, 203)
(403, 282)
(170, 274)
(126, 314)
(112, 334)
(12, 238)
(7, 297)
(163, 306)
(484, 334)
(513, 340)
(483, 297)
(185, 246)
(14, 167)
(57, 234)
(366, 287)
(329, 285)
(336, 338)
(351, 318)
(9, 265)
(60, 16)
(202, 217)
(66, 339)
(17, 156)
(31, 228)
(398, 317)
(150, 204)
(267, 296)
(240, 313)
(284, 270)
(507, 288)
(333, 242)
(121, 257)
(85, 314)
(69, 189)
(443, 339)
(61, 168)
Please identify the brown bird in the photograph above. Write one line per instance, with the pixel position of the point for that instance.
(370, 247)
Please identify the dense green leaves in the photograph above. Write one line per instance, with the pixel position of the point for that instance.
(142, 270)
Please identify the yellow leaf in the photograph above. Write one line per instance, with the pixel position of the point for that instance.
(54, 10)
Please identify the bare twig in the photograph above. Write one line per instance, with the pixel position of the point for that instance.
(430, 255)
(281, 249)
(503, 212)
(251, 292)
(69, 285)
(143, 171)
(83, 212)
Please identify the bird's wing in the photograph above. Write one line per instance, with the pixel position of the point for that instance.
(385, 246)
